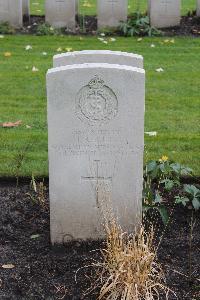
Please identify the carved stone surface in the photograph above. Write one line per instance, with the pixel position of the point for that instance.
(96, 139)
(111, 12)
(98, 56)
(60, 13)
(96, 103)
(164, 13)
(11, 11)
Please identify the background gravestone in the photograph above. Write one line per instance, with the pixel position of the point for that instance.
(77, 7)
(60, 13)
(111, 12)
(164, 13)
(98, 56)
(96, 132)
(26, 7)
(198, 8)
(11, 11)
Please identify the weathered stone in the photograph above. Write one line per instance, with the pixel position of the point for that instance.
(60, 13)
(98, 56)
(26, 7)
(198, 8)
(77, 7)
(164, 13)
(96, 132)
(111, 12)
(11, 11)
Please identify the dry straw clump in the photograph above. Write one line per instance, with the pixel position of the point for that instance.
(129, 270)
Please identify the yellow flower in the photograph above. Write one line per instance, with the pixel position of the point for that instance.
(164, 158)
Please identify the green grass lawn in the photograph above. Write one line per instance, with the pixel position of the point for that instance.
(172, 97)
(88, 7)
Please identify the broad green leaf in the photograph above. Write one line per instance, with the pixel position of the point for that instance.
(191, 189)
(158, 197)
(163, 213)
(196, 203)
(181, 200)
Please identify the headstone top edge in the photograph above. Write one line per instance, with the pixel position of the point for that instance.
(95, 65)
(106, 52)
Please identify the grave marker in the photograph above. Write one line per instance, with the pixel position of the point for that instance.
(96, 129)
(198, 8)
(60, 13)
(164, 13)
(11, 11)
(26, 7)
(111, 12)
(98, 56)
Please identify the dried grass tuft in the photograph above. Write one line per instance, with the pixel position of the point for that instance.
(129, 270)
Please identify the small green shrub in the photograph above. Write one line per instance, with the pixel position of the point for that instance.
(46, 29)
(163, 184)
(138, 24)
(6, 28)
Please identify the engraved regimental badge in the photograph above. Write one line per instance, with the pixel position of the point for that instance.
(96, 103)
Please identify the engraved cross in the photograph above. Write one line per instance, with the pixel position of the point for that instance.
(97, 179)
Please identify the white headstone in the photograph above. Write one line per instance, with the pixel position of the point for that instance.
(26, 7)
(96, 132)
(77, 7)
(111, 12)
(198, 8)
(98, 56)
(60, 13)
(164, 13)
(11, 11)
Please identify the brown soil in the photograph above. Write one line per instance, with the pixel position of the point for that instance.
(45, 272)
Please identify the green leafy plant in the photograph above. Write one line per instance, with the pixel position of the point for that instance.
(18, 162)
(190, 195)
(138, 24)
(162, 181)
(6, 28)
(46, 29)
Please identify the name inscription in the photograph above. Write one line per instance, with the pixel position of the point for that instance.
(97, 142)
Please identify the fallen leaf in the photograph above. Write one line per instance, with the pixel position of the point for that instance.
(28, 47)
(151, 133)
(34, 69)
(35, 236)
(8, 266)
(11, 124)
(7, 54)
(68, 49)
(159, 70)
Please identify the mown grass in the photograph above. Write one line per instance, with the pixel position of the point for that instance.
(172, 97)
(88, 7)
